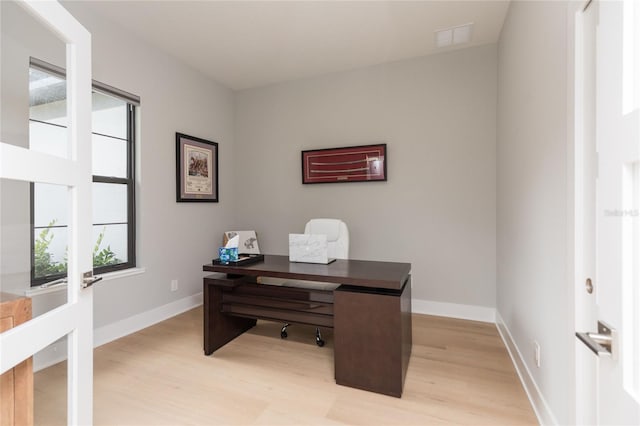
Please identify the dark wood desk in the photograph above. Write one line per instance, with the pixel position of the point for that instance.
(370, 312)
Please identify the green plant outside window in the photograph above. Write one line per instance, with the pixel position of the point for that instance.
(45, 265)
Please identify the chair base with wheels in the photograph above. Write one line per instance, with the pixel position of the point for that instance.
(337, 247)
(319, 341)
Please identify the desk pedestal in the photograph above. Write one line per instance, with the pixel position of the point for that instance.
(220, 329)
(372, 335)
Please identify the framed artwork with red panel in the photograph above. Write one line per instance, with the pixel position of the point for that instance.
(363, 163)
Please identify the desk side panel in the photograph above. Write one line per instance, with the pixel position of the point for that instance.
(407, 330)
(220, 329)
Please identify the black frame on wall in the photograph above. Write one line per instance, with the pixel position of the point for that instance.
(196, 181)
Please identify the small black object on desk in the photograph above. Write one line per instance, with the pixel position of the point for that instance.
(243, 259)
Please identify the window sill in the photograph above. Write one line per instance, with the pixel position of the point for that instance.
(37, 291)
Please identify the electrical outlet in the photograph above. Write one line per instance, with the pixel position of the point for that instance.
(174, 285)
(536, 353)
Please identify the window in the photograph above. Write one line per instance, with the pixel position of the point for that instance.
(113, 134)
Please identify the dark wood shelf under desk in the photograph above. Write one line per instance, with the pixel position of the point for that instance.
(370, 312)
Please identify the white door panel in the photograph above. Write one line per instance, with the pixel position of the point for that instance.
(74, 319)
(610, 380)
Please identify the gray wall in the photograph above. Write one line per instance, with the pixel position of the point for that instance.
(437, 115)
(534, 296)
(174, 239)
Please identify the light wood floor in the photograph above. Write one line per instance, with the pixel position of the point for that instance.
(459, 373)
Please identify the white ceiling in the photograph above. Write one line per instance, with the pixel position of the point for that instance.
(244, 44)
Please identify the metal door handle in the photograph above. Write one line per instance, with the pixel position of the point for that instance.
(603, 343)
(88, 279)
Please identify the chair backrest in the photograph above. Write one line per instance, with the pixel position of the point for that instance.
(337, 235)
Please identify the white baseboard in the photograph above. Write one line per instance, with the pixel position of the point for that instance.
(116, 330)
(57, 352)
(454, 310)
(539, 404)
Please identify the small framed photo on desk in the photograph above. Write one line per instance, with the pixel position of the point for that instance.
(247, 243)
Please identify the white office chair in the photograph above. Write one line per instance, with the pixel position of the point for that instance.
(337, 235)
(337, 247)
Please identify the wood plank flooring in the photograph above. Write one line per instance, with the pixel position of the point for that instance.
(459, 373)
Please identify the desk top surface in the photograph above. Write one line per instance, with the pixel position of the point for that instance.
(359, 273)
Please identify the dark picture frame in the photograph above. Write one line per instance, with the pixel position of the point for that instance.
(196, 169)
(363, 163)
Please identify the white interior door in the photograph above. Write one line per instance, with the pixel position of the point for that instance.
(608, 379)
(75, 318)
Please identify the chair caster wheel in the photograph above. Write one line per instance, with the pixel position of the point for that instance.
(283, 331)
(319, 340)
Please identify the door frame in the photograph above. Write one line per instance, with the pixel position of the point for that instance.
(584, 387)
